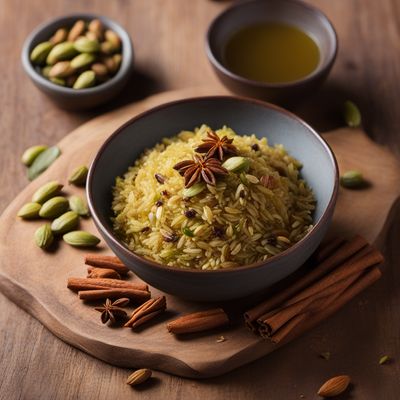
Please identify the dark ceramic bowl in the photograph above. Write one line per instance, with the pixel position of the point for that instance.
(72, 99)
(245, 117)
(291, 12)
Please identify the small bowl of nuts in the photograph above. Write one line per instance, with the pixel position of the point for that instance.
(80, 61)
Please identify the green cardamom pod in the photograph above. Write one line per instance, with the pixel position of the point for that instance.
(60, 52)
(79, 175)
(58, 81)
(85, 45)
(46, 70)
(107, 48)
(113, 38)
(85, 80)
(46, 192)
(44, 236)
(352, 114)
(353, 180)
(82, 60)
(31, 153)
(78, 205)
(40, 52)
(61, 69)
(43, 161)
(236, 164)
(29, 211)
(54, 207)
(81, 239)
(194, 190)
(65, 223)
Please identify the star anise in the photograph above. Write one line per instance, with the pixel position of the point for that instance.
(200, 168)
(111, 311)
(214, 144)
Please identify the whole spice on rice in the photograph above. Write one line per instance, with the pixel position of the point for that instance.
(221, 220)
(214, 145)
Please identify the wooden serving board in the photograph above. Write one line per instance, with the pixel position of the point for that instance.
(36, 280)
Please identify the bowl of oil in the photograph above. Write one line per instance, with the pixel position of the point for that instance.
(275, 50)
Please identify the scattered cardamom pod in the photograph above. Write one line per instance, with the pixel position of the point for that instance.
(43, 161)
(46, 192)
(77, 30)
(85, 80)
(40, 52)
(60, 52)
(237, 164)
(61, 69)
(352, 114)
(353, 180)
(78, 205)
(60, 36)
(44, 236)
(81, 239)
(29, 211)
(384, 360)
(30, 154)
(194, 190)
(79, 175)
(82, 60)
(65, 223)
(54, 207)
(113, 38)
(58, 81)
(85, 45)
(139, 376)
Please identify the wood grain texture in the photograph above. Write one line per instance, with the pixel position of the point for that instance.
(30, 279)
(168, 38)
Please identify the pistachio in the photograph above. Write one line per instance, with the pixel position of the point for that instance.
(65, 223)
(78, 176)
(30, 154)
(237, 164)
(44, 236)
(46, 70)
(60, 52)
(353, 180)
(100, 70)
(139, 376)
(107, 48)
(77, 30)
(54, 207)
(96, 27)
(85, 80)
(29, 211)
(62, 69)
(194, 190)
(40, 52)
(58, 81)
(113, 38)
(78, 205)
(46, 192)
(60, 36)
(85, 45)
(43, 161)
(81, 239)
(82, 60)
(352, 114)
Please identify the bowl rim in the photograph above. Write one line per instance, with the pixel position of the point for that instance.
(260, 264)
(319, 70)
(125, 68)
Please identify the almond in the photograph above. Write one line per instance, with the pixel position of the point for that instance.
(139, 376)
(334, 386)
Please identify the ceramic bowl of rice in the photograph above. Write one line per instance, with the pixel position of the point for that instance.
(213, 198)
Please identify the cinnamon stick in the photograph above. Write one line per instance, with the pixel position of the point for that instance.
(94, 272)
(343, 253)
(146, 312)
(133, 294)
(101, 283)
(198, 322)
(102, 261)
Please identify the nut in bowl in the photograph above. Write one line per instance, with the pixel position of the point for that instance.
(80, 61)
(241, 207)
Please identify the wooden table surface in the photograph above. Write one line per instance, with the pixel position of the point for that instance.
(168, 37)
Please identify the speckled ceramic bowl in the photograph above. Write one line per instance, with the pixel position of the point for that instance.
(69, 98)
(245, 117)
(292, 12)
